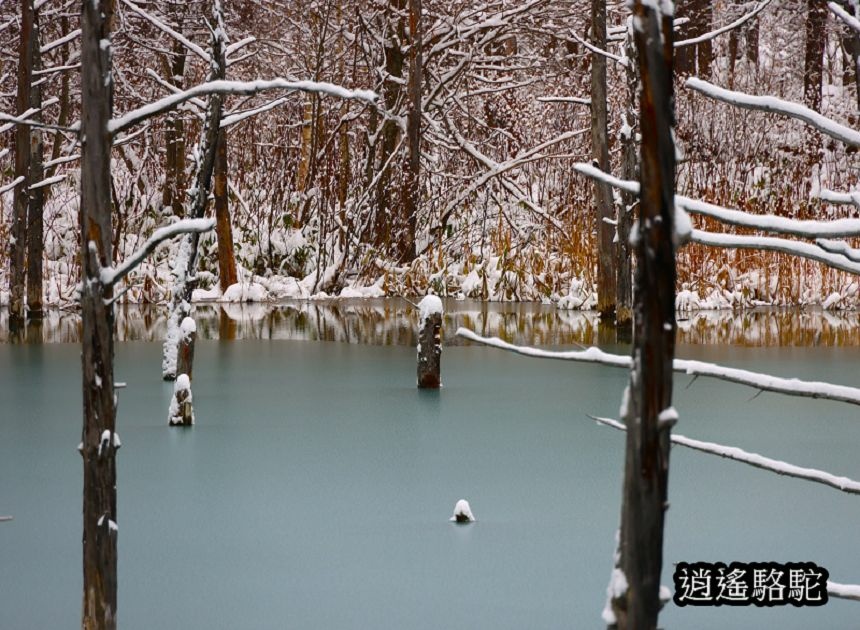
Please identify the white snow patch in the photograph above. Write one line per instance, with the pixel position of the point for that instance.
(463, 512)
(245, 292)
(187, 327)
(430, 305)
(617, 587)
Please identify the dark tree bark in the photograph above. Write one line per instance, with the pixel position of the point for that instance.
(813, 66)
(174, 133)
(98, 442)
(430, 344)
(649, 394)
(606, 250)
(629, 171)
(226, 257)
(695, 59)
(411, 197)
(384, 225)
(63, 117)
(36, 199)
(18, 242)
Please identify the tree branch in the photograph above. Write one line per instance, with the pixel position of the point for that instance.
(110, 276)
(844, 484)
(776, 105)
(767, 382)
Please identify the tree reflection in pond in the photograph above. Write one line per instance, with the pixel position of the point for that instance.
(394, 322)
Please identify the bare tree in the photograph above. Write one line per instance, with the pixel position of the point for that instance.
(98, 441)
(604, 209)
(648, 399)
(18, 242)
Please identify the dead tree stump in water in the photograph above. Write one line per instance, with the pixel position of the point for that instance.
(430, 343)
(185, 352)
(181, 412)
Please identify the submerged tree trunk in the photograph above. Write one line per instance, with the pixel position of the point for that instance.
(99, 441)
(226, 257)
(36, 199)
(606, 267)
(18, 242)
(647, 407)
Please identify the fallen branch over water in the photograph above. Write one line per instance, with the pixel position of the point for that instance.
(843, 484)
(764, 382)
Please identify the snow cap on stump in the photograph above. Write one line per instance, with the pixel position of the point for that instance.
(463, 512)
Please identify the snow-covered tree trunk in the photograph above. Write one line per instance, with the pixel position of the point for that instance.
(606, 249)
(647, 407)
(184, 269)
(430, 342)
(181, 411)
(36, 200)
(99, 441)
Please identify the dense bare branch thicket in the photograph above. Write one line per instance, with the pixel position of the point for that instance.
(318, 188)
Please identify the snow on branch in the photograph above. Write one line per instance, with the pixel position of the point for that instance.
(243, 88)
(839, 198)
(765, 382)
(65, 39)
(599, 51)
(12, 184)
(50, 181)
(843, 484)
(776, 105)
(197, 50)
(843, 15)
(23, 119)
(843, 591)
(725, 29)
(564, 99)
(239, 45)
(775, 244)
(839, 247)
(766, 222)
(232, 119)
(111, 275)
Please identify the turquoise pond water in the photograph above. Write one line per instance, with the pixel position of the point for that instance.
(315, 490)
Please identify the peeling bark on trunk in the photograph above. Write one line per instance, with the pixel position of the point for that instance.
(649, 393)
(36, 199)
(606, 250)
(98, 440)
(226, 257)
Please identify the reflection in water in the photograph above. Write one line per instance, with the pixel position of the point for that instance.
(395, 321)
